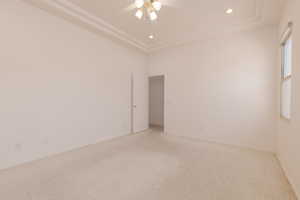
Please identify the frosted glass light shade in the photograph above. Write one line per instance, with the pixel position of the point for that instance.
(139, 14)
(139, 3)
(156, 5)
(153, 16)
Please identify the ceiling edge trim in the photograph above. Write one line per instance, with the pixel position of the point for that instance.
(84, 16)
(255, 20)
(98, 23)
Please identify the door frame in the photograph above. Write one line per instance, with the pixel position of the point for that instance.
(164, 98)
(132, 106)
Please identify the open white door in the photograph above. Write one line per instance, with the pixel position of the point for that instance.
(139, 103)
(132, 106)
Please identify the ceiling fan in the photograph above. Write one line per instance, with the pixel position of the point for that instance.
(149, 9)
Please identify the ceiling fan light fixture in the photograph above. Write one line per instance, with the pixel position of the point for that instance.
(157, 5)
(139, 3)
(147, 7)
(139, 14)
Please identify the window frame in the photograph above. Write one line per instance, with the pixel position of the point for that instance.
(287, 36)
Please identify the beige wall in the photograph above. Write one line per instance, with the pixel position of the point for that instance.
(222, 90)
(289, 131)
(61, 86)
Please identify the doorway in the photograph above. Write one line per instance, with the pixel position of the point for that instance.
(156, 102)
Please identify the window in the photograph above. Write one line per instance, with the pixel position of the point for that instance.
(286, 74)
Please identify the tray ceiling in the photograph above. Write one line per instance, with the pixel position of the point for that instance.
(179, 21)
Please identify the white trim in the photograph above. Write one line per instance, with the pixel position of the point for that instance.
(69, 8)
(70, 149)
(250, 23)
(287, 174)
(84, 16)
(286, 34)
(205, 140)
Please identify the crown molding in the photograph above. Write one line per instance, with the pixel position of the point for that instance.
(82, 15)
(251, 22)
(96, 22)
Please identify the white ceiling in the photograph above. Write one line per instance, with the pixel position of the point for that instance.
(179, 22)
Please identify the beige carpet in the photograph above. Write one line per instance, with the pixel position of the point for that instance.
(149, 167)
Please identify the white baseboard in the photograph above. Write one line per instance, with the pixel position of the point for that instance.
(77, 147)
(288, 176)
(221, 143)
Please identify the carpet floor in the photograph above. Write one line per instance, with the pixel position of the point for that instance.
(149, 166)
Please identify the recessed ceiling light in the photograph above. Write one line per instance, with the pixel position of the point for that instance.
(229, 11)
(151, 36)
